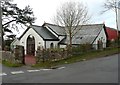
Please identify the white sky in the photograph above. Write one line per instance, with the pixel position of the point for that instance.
(44, 10)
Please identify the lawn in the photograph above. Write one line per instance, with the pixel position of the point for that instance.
(11, 64)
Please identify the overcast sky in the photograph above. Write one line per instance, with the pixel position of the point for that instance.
(44, 10)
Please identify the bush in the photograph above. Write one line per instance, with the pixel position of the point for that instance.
(115, 43)
(86, 47)
(82, 48)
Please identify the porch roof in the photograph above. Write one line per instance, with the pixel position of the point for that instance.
(44, 33)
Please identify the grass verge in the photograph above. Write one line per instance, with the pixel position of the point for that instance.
(11, 64)
(78, 58)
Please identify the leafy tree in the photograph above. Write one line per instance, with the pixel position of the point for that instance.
(13, 17)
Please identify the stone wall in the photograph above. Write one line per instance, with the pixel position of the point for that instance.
(18, 54)
(51, 54)
(7, 55)
(15, 56)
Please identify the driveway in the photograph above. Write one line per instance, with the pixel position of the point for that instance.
(101, 70)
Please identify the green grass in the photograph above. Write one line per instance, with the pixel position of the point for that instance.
(78, 58)
(10, 64)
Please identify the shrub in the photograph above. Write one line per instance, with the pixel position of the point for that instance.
(82, 48)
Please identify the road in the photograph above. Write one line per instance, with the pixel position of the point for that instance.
(101, 70)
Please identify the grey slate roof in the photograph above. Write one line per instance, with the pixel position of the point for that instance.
(87, 34)
(44, 33)
(59, 30)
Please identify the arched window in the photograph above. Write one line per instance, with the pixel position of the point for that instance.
(51, 45)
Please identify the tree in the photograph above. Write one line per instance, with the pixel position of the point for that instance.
(112, 5)
(71, 15)
(13, 16)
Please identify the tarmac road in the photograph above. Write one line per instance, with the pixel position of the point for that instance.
(101, 70)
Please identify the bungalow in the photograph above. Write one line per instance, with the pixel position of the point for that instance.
(50, 36)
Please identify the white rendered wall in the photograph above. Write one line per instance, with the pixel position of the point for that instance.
(48, 43)
(55, 43)
(38, 40)
(102, 36)
(62, 46)
(14, 43)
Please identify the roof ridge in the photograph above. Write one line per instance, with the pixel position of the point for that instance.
(36, 25)
(91, 24)
(111, 28)
(78, 25)
(53, 24)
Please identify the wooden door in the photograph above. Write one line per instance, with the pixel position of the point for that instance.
(30, 45)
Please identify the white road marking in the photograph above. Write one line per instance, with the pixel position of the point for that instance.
(61, 67)
(17, 72)
(2, 74)
(45, 69)
(33, 70)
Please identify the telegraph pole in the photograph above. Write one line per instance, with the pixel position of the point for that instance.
(116, 12)
(118, 18)
(0, 26)
(117, 9)
(0, 39)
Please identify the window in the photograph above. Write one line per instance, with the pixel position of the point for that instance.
(79, 37)
(58, 45)
(51, 45)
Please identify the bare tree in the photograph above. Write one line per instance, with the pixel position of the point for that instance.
(71, 15)
(112, 5)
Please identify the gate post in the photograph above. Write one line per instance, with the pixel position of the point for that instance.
(19, 54)
(23, 55)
